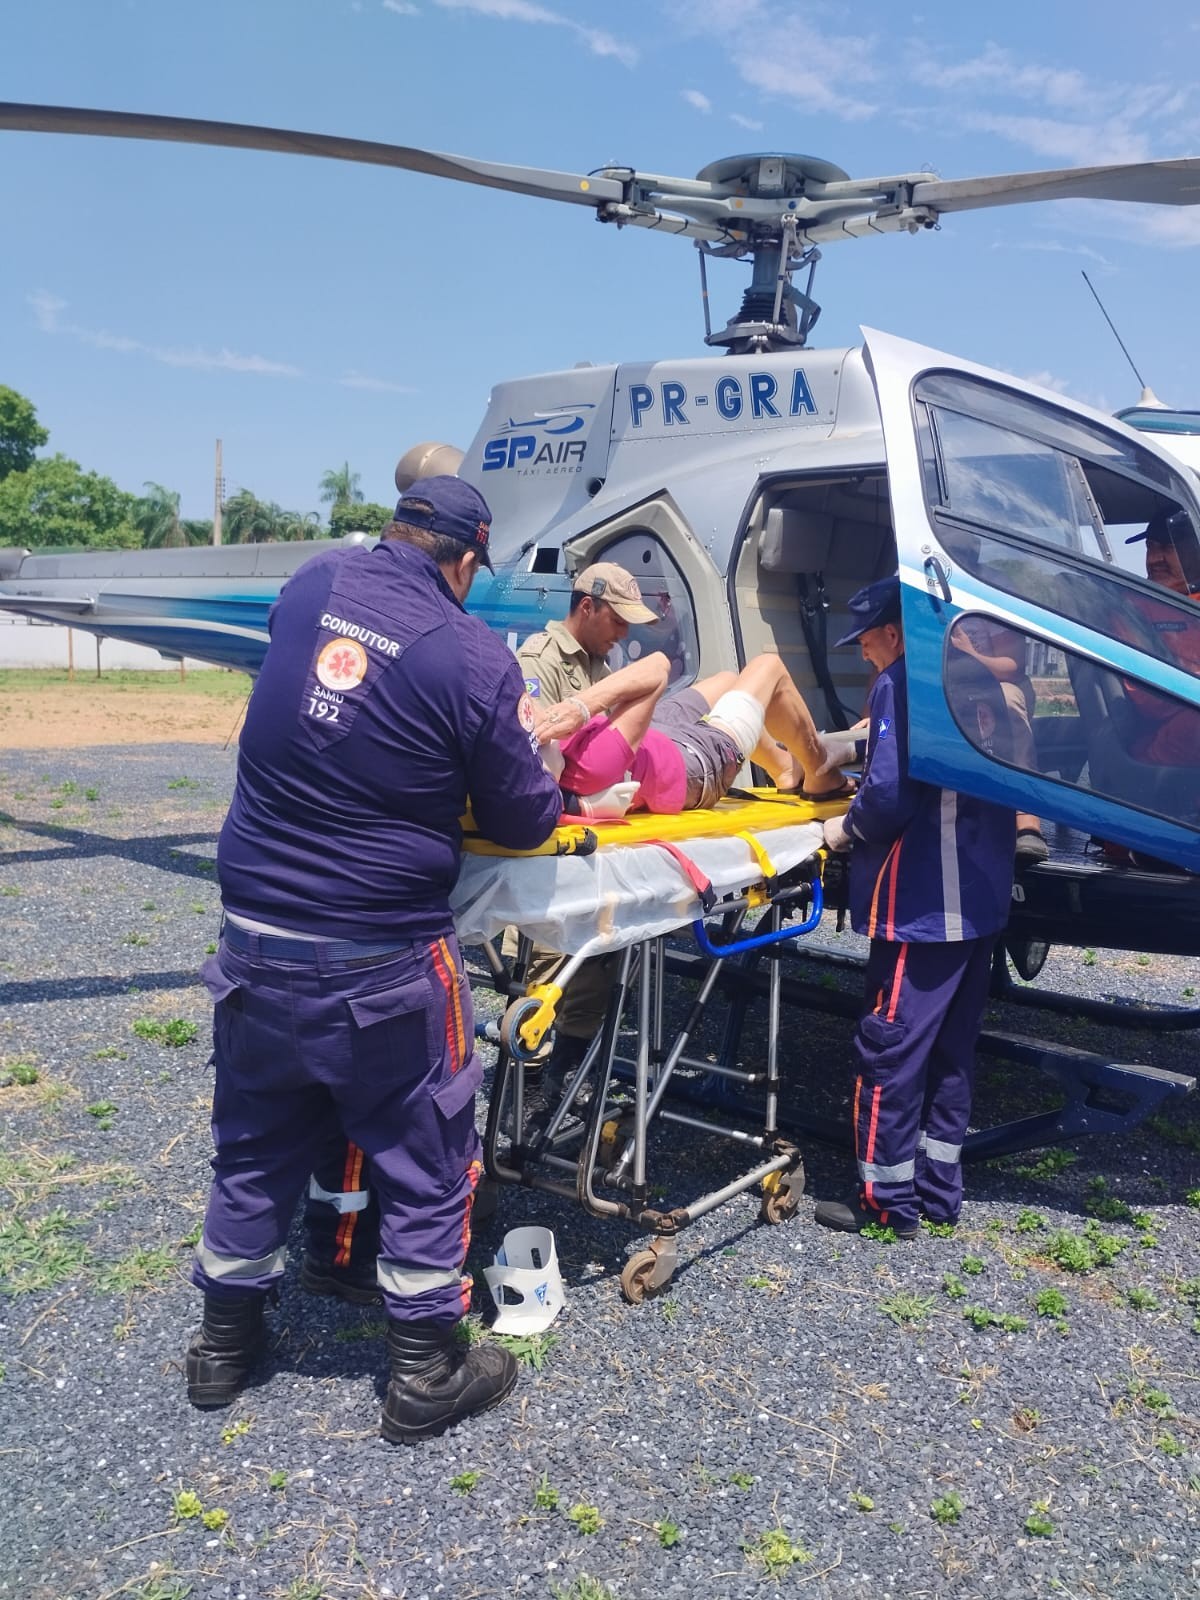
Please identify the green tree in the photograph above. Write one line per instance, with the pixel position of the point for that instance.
(367, 518)
(157, 516)
(20, 433)
(55, 503)
(340, 486)
(249, 520)
(198, 529)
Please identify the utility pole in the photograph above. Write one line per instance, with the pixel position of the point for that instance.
(218, 497)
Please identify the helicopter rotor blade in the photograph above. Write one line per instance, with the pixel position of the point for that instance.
(1160, 183)
(576, 188)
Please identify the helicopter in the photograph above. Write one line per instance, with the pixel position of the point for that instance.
(752, 489)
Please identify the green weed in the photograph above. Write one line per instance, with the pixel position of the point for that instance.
(39, 1252)
(21, 1072)
(881, 1235)
(545, 1496)
(1168, 1444)
(103, 1111)
(907, 1310)
(1038, 1524)
(972, 1266)
(141, 1270)
(585, 1518)
(1030, 1221)
(1141, 1300)
(185, 1505)
(465, 1482)
(939, 1230)
(1049, 1165)
(530, 1349)
(277, 1480)
(947, 1508)
(1051, 1303)
(775, 1552)
(669, 1533)
(110, 1052)
(954, 1287)
(861, 1501)
(582, 1587)
(236, 1430)
(173, 1034)
(741, 1480)
(981, 1317)
(215, 1519)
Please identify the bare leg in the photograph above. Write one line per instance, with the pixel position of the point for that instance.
(787, 722)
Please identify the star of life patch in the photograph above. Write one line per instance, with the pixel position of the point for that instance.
(526, 714)
(342, 664)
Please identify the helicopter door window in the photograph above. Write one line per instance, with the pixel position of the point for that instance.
(665, 590)
(1054, 713)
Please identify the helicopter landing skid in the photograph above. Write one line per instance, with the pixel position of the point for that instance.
(1099, 1095)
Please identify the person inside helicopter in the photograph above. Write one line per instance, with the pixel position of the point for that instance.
(623, 744)
(1170, 733)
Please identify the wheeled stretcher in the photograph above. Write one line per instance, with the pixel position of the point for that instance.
(625, 887)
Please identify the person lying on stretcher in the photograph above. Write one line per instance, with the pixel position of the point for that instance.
(624, 745)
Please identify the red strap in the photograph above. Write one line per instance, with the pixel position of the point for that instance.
(701, 884)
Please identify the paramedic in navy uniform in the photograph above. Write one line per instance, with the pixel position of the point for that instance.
(339, 992)
(931, 876)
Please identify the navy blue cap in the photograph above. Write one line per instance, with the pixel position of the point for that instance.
(451, 507)
(1158, 529)
(871, 607)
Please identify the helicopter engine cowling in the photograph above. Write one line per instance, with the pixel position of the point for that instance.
(427, 461)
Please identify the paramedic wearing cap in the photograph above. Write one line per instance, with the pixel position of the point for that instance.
(339, 992)
(1170, 736)
(560, 662)
(930, 882)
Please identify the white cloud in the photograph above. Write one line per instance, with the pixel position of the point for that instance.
(1055, 247)
(1077, 144)
(745, 122)
(401, 8)
(698, 101)
(360, 380)
(597, 40)
(1000, 69)
(1045, 380)
(48, 310)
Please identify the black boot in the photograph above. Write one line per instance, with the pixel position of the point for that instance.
(226, 1349)
(436, 1381)
(355, 1282)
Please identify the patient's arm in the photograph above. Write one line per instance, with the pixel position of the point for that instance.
(629, 694)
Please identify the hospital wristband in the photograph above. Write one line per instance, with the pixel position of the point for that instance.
(581, 707)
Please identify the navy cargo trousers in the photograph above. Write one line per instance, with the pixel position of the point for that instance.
(310, 1037)
(912, 1098)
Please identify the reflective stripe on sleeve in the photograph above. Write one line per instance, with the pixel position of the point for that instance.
(342, 1200)
(218, 1266)
(403, 1281)
(873, 1172)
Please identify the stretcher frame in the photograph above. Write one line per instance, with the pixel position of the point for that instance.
(601, 1157)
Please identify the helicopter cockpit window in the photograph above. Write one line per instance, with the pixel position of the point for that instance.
(1057, 714)
(665, 591)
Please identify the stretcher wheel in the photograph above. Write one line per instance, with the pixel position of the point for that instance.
(1028, 956)
(781, 1194)
(636, 1277)
(518, 1013)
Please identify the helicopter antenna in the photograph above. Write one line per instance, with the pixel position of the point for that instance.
(1148, 397)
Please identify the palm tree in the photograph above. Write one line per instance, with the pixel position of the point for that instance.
(248, 520)
(300, 525)
(156, 515)
(340, 486)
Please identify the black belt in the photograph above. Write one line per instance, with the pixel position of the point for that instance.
(278, 947)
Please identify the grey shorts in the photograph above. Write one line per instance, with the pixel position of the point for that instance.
(710, 755)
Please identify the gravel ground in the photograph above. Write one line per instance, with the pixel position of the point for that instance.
(797, 1410)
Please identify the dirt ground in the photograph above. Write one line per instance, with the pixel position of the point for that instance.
(62, 716)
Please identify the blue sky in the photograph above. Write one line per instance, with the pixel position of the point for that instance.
(310, 312)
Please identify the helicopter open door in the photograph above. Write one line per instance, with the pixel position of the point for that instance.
(1046, 671)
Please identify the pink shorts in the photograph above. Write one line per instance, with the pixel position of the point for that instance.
(600, 755)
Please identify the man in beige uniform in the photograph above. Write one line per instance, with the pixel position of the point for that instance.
(562, 660)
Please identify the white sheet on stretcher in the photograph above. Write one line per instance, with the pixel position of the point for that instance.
(615, 897)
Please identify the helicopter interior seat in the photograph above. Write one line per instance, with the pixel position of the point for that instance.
(824, 544)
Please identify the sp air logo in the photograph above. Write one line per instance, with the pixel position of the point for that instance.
(885, 727)
(541, 445)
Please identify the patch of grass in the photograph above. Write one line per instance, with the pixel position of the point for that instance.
(947, 1508)
(37, 1253)
(1049, 1165)
(585, 1518)
(277, 1480)
(1083, 1252)
(185, 1505)
(1038, 1524)
(109, 1052)
(138, 939)
(741, 1480)
(215, 1519)
(22, 1072)
(1169, 1445)
(1089, 958)
(465, 1482)
(1030, 1221)
(1192, 1198)
(103, 1111)
(954, 1287)
(530, 1349)
(583, 1587)
(10, 891)
(1171, 1131)
(143, 1269)
(546, 1496)
(776, 1552)
(905, 1309)
(1097, 1202)
(184, 783)
(861, 1501)
(669, 1533)
(879, 1234)
(972, 1266)
(1051, 1303)
(173, 1034)
(1141, 1299)
(981, 1317)
(939, 1230)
